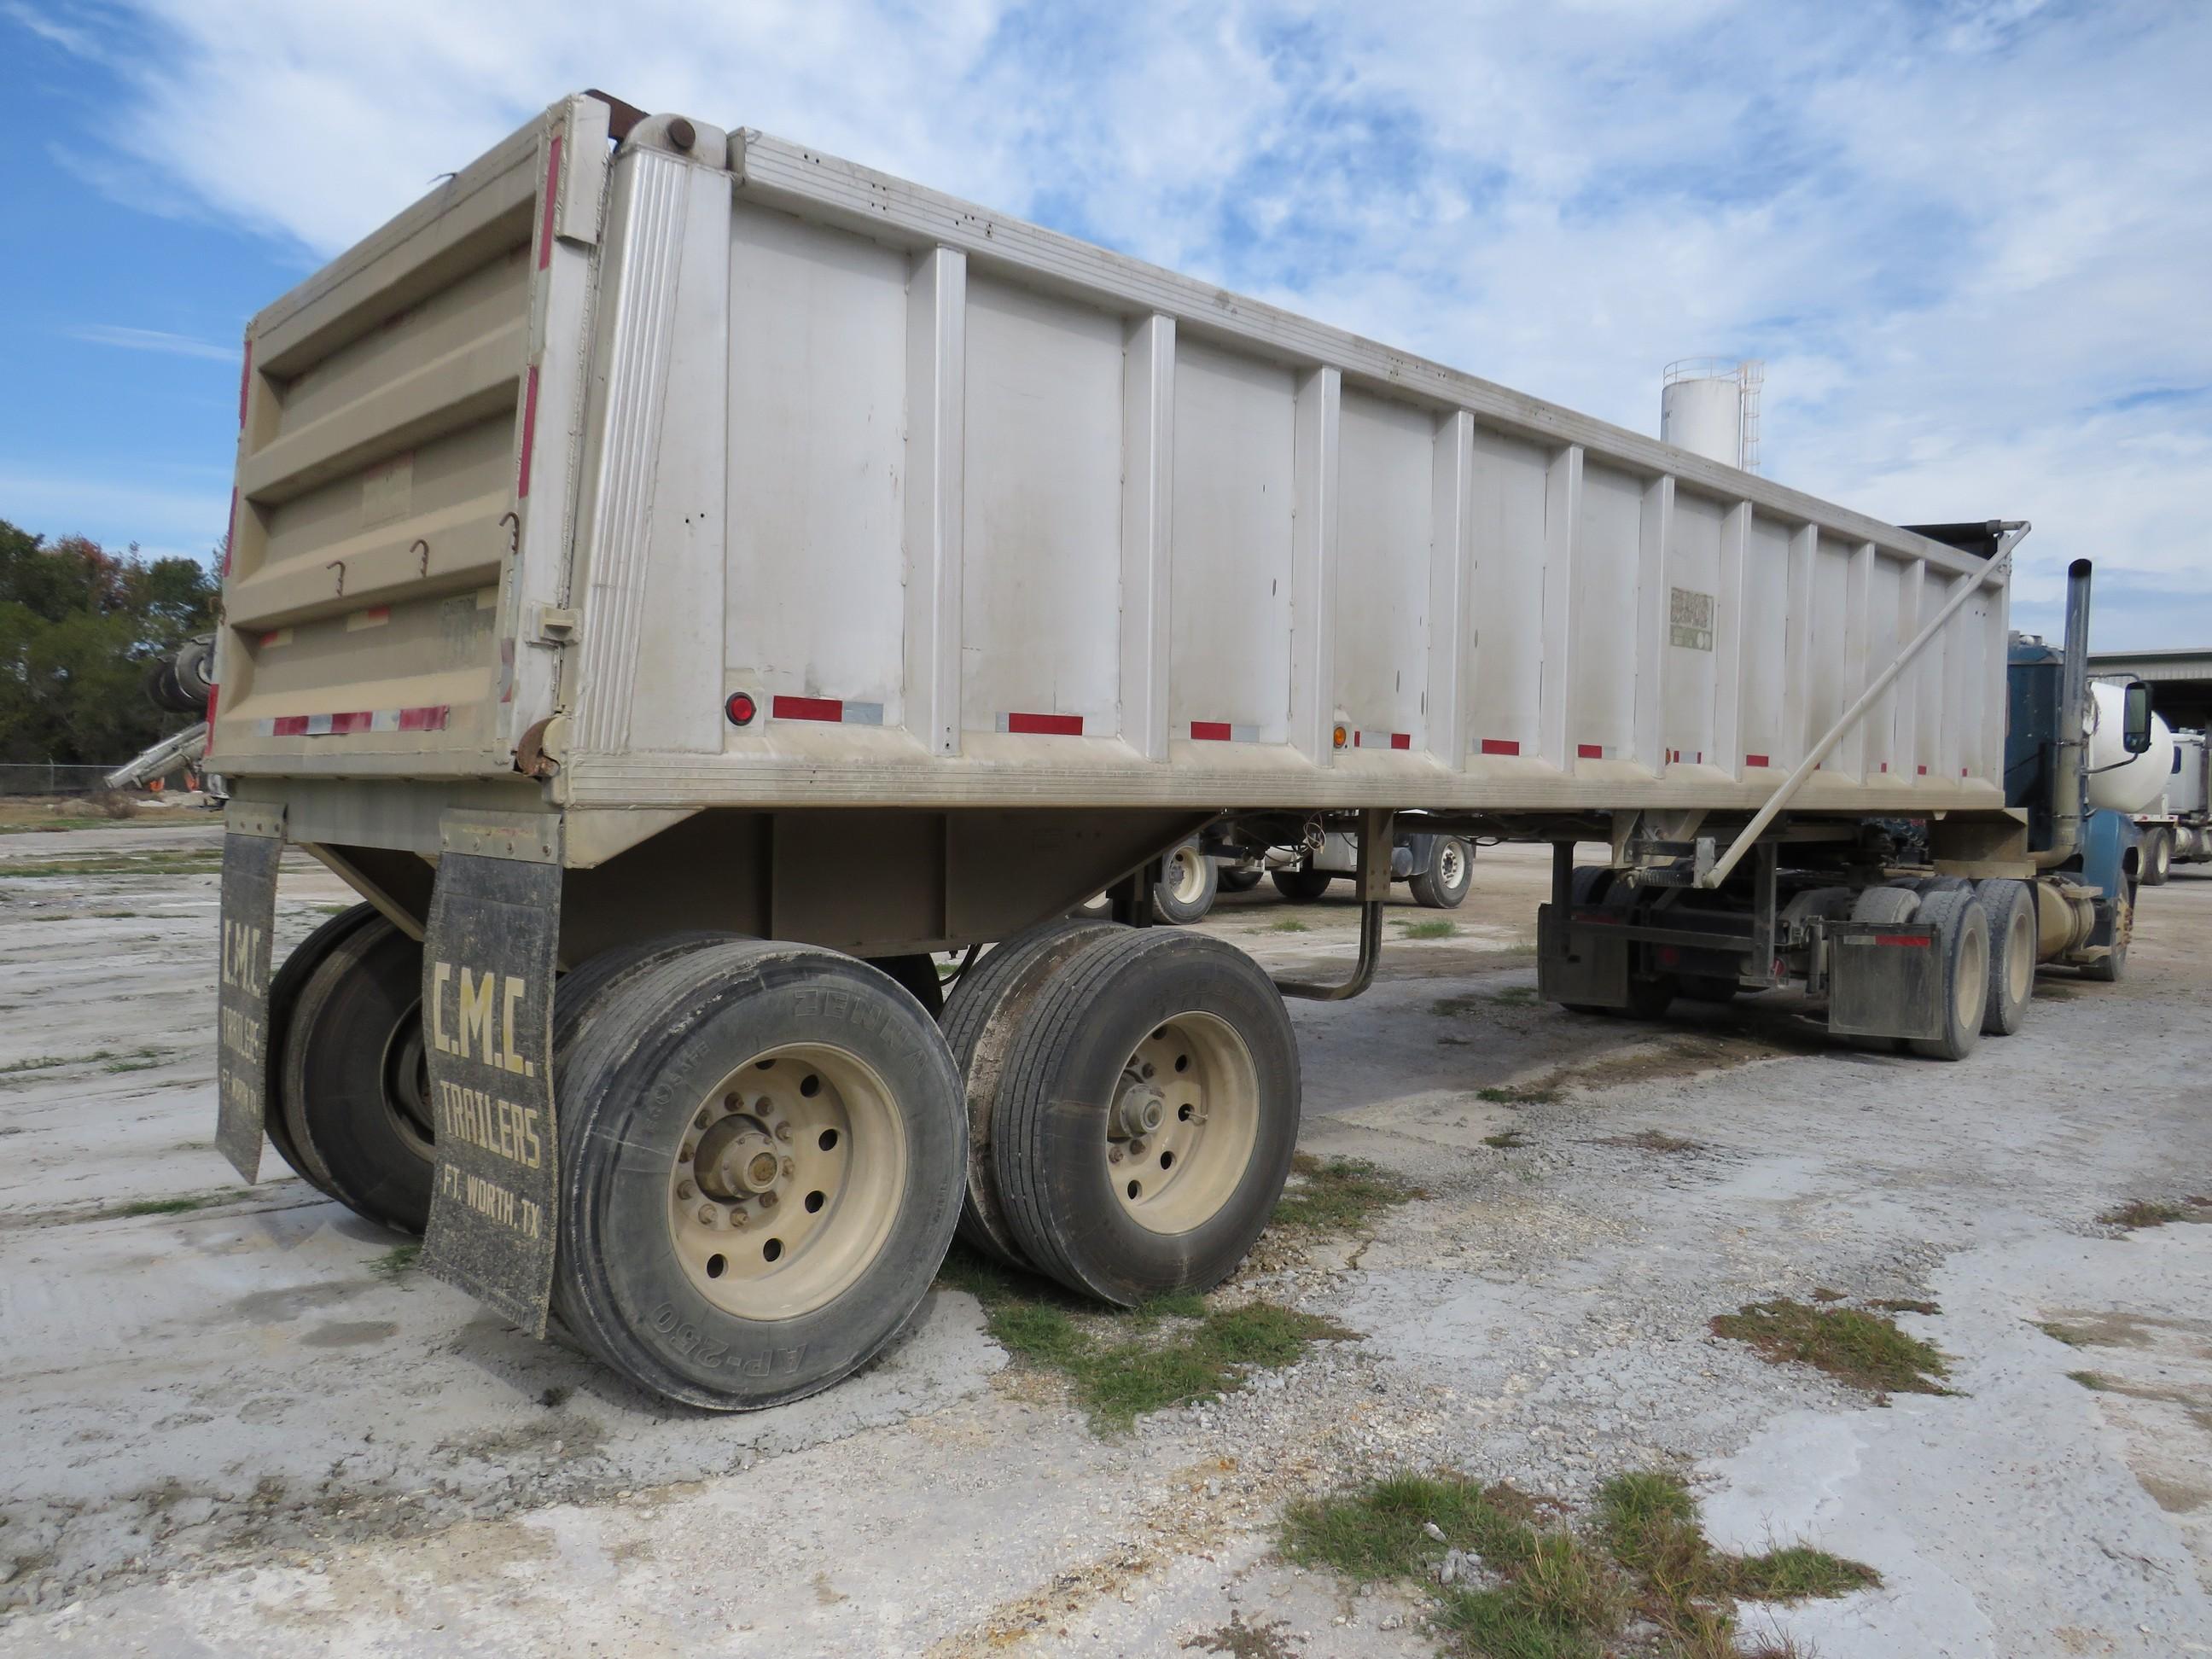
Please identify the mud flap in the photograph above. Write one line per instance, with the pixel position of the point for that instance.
(1885, 979)
(488, 968)
(251, 847)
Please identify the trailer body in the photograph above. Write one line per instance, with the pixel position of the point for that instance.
(661, 528)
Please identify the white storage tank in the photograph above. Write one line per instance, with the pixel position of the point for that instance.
(2119, 781)
(1709, 406)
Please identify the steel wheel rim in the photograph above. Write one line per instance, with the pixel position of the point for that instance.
(1451, 865)
(787, 1182)
(404, 1084)
(1973, 977)
(1182, 1122)
(2020, 955)
(1186, 874)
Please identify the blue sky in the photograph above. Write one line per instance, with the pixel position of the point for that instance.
(1971, 238)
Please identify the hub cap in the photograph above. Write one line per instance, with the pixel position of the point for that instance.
(788, 1181)
(1451, 863)
(1186, 874)
(1182, 1123)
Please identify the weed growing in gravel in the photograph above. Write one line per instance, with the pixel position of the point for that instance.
(181, 862)
(1531, 1590)
(166, 1205)
(49, 1062)
(1518, 994)
(2066, 1333)
(1905, 1304)
(1658, 1140)
(1518, 1096)
(396, 1263)
(138, 1060)
(1506, 1140)
(1436, 928)
(1864, 1349)
(1336, 1194)
(1290, 925)
(1167, 1352)
(2095, 1381)
(2142, 1213)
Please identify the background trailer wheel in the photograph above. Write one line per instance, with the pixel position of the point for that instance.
(356, 1098)
(1148, 1115)
(987, 1011)
(283, 995)
(1449, 872)
(763, 1148)
(1301, 886)
(1185, 891)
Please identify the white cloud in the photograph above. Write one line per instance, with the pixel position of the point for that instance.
(150, 339)
(1967, 236)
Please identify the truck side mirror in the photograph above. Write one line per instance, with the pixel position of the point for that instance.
(2135, 736)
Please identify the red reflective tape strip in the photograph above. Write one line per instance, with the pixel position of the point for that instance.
(357, 720)
(208, 748)
(1402, 739)
(1913, 939)
(1923, 771)
(1757, 760)
(244, 379)
(807, 709)
(1885, 766)
(1589, 751)
(288, 725)
(1500, 746)
(1210, 730)
(230, 540)
(552, 192)
(529, 430)
(1050, 726)
(431, 717)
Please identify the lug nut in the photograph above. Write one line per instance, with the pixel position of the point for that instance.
(767, 1201)
(1137, 1147)
(685, 1189)
(1112, 1154)
(707, 1213)
(783, 1132)
(690, 1150)
(700, 1122)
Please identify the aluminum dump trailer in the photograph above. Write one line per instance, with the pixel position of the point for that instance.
(682, 580)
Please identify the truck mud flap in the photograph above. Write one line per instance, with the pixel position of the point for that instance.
(487, 968)
(251, 847)
(1885, 979)
(1582, 957)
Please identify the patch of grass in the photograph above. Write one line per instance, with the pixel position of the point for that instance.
(2066, 1333)
(1502, 1096)
(1864, 1349)
(2095, 1381)
(49, 1062)
(2142, 1213)
(181, 861)
(1658, 1140)
(396, 1263)
(1288, 924)
(1336, 1194)
(1435, 927)
(166, 1205)
(1268, 1638)
(1506, 1141)
(138, 1060)
(1515, 993)
(1554, 1592)
(1905, 1304)
(1168, 1353)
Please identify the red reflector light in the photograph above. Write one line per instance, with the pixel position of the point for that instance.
(741, 709)
(1670, 956)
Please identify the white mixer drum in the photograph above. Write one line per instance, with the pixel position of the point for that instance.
(2119, 781)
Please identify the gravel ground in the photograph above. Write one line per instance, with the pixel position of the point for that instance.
(237, 1430)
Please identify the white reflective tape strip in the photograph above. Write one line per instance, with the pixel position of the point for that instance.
(861, 714)
(384, 719)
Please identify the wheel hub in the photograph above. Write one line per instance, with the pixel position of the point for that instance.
(1182, 1124)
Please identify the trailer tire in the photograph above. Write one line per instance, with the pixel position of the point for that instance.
(2011, 907)
(1148, 1117)
(1882, 904)
(985, 1014)
(578, 993)
(1962, 946)
(1185, 891)
(1443, 885)
(1300, 885)
(1237, 878)
(283, 995)
(727, 1316)
(354, 1080)
(2157, 857)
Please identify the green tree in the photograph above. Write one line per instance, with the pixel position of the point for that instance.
(79, 627)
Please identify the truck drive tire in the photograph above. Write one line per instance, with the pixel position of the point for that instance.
(1185, 891)
(1147, 1117)
(1962, 954)
(2011, 908)
(1300, 885)
(1449, 873)
(987, 1011)
(357, 1090)
(762, 1151)
(284, 996)
(1886, 904)
(2112, 967)
(2157, 857)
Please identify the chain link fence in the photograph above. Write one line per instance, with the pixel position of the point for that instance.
(50, 778)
